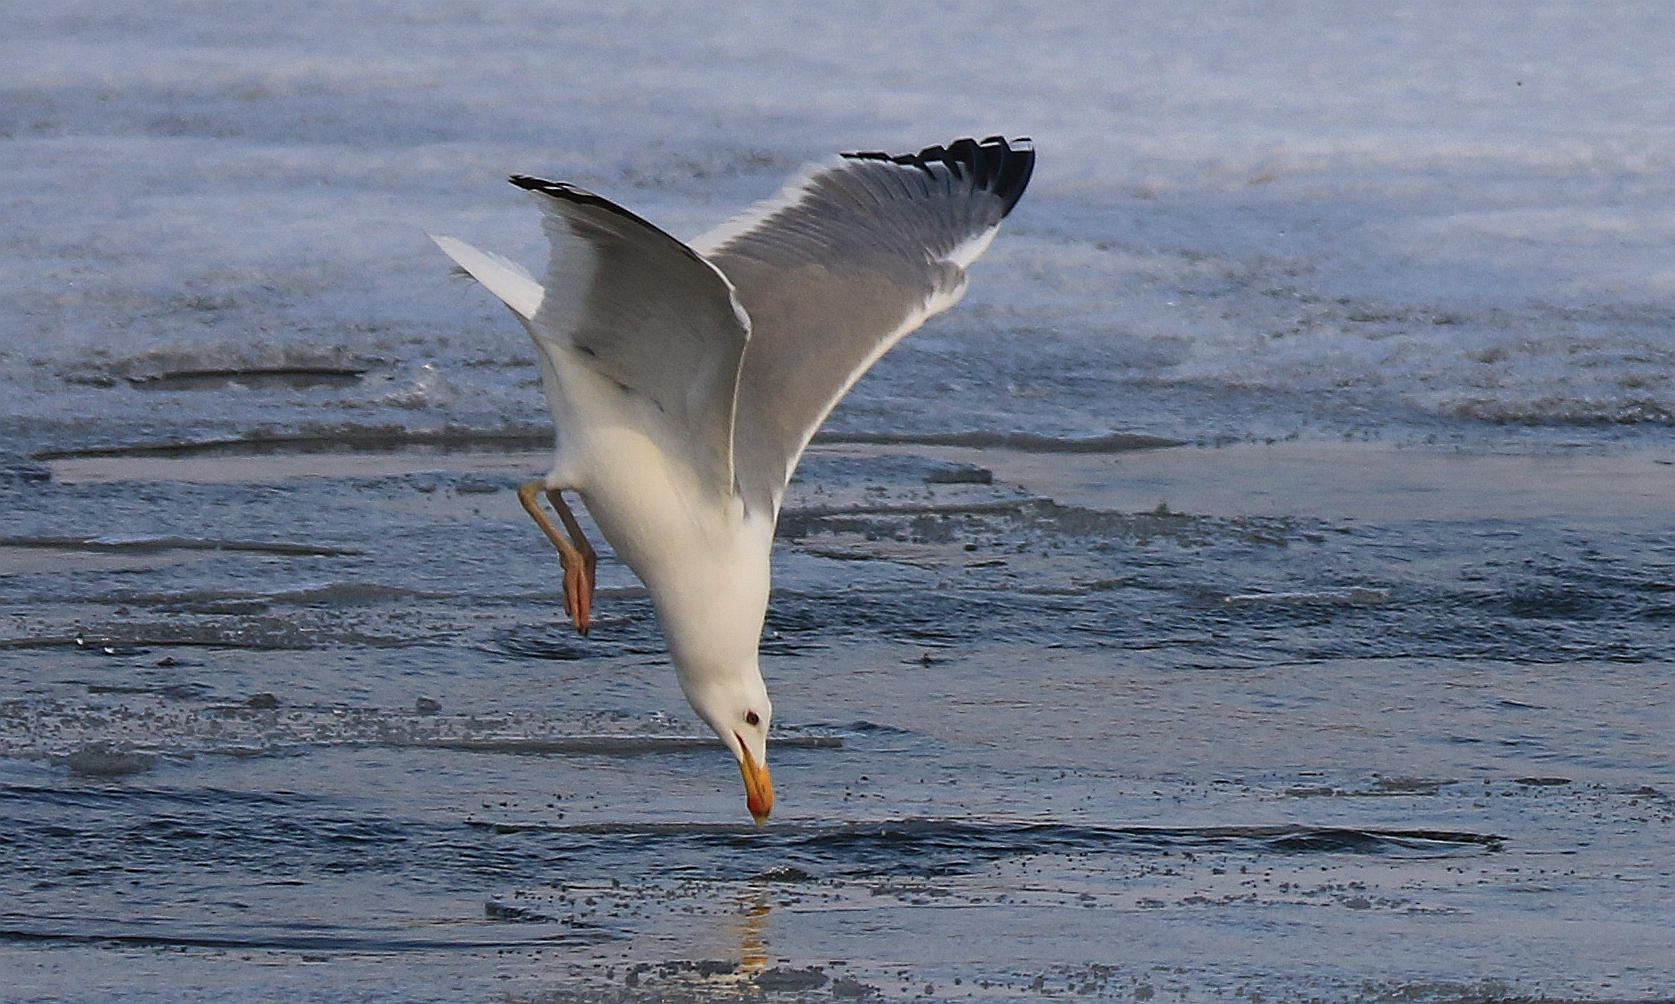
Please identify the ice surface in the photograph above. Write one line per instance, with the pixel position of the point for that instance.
(1245, 219)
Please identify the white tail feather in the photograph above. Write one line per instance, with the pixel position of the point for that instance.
(501, 276)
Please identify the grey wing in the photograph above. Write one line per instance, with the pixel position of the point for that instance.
(640, 307)
(843, 263)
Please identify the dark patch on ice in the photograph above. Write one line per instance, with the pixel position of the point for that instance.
(173, 691)
(954, 846)
(326, 439)
(560, 650)
(1025, 442)
(1410, 785)
(564, 649)
(275, 378)
(1031, 519)
(215, 601)
(862, 725)
(941, 618)
(1310, 791)
(1555, 600)
(260, 633)
(899, 469)
(847, 987)
(1567, 413)
(350, 594)
(960, 474)
(506, 914)
(148, 544)
(1358, 597)
(1353, 841)
(608, 745)
(777, 644)
(481, 484)
(326, 940)
(791, 521)
(100, 760)
(627, 635)
(24, 472)
(206, 799)
(782, 873)
(782, 980)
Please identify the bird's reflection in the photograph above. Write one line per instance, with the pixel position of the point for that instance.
(753, 931)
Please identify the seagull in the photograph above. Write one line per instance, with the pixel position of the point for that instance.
(685, 380)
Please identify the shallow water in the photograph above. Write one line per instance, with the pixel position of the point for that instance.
(1023, 743)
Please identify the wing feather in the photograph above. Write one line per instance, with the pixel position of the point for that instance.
(846, 260)
(641, 308)
(499, 275)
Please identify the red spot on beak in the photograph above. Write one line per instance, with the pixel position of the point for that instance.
(758, 785)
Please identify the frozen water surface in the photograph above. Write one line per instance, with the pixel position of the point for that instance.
(1363, 692)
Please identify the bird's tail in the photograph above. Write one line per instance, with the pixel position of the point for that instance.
(501, 276)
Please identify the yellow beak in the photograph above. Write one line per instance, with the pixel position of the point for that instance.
(758, 786)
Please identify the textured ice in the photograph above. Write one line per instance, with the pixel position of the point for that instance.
(1245, 220)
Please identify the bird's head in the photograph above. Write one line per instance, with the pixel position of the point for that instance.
(740, 716)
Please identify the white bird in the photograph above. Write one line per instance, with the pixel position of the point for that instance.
(686, 380)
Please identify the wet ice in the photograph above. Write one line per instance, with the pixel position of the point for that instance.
(1091, 717)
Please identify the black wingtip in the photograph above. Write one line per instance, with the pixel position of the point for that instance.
(534, 184)
(994, 163)
(570, 193)
(566, 191)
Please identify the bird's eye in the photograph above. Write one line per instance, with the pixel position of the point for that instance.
(752, 718)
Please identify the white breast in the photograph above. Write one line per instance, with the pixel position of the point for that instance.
(703, 560)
